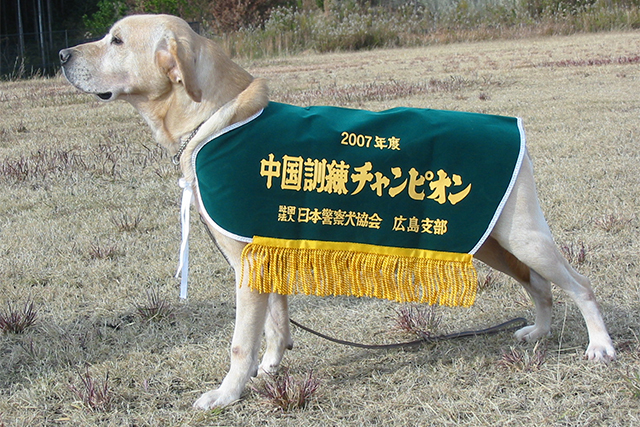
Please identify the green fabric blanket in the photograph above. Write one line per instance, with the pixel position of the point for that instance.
(412, 182)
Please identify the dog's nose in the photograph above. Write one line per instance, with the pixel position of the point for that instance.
(65, 55)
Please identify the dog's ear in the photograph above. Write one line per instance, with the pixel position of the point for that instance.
(177, 60)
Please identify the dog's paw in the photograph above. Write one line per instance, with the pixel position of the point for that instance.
(600, 352)
(214, 399)
(531, 333)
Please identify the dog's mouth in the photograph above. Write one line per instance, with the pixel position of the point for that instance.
(105, 96)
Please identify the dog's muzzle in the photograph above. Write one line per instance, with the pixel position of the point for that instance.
(66, 58)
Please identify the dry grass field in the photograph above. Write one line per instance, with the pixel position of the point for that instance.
(89, 233)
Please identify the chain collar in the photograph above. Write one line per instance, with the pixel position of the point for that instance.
(176, 159)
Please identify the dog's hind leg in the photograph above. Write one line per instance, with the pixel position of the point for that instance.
(523, 231)
(553, 267)
(538, 288)
(277, 333)
(251, 307)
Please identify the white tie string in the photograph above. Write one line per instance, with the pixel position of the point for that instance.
(183, 266)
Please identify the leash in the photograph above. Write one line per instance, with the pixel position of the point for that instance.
(509, 325)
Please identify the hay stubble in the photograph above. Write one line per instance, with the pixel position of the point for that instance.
(76, 174)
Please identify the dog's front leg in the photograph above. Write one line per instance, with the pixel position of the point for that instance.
(277, 334)
(250, 317)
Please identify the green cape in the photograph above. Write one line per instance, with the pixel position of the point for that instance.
(411, 182)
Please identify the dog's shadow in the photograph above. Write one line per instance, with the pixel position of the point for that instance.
(376, 362)
(355, 365)
(50, 347)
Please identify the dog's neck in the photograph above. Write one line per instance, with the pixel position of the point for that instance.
(173, 119)
(173, 115)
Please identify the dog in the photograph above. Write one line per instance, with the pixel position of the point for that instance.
(181, 82)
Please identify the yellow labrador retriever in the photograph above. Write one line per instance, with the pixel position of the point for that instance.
(181, 82)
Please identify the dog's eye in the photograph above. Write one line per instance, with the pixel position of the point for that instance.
(116, 40)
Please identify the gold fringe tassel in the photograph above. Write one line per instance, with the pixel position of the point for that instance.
(326, 268)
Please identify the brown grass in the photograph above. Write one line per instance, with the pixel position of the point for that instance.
(286, 392)
(422, 321)
(89, 218)
(155, 307)
(523, 360)
(94, 394)
(16, 320)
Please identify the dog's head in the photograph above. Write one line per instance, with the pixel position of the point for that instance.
(142, 56)
(175, 78)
